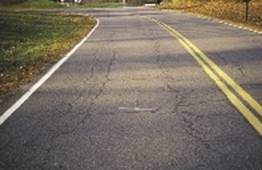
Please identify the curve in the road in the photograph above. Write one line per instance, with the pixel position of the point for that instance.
(218, 76)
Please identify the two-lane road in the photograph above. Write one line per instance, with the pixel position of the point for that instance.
(133, 97)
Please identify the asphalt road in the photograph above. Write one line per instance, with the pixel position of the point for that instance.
(132, 97)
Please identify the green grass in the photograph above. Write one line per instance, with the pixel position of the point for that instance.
(29, 41)
(32, 4)
(47, 4)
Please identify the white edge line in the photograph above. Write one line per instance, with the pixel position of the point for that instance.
(40, 82)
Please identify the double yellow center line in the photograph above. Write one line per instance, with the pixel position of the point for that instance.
(236, 95)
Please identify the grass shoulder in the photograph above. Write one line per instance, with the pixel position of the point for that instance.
(31, 41)
(32, 4)
(50, 4)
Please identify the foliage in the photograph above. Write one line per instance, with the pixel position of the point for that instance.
(32, 4)
(45, 4)
(233, 10)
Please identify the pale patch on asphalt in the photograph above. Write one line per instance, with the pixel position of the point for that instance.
(137, 109)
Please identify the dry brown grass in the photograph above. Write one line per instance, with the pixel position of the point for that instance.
(224, 9)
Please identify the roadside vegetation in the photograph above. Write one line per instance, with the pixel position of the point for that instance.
(48, 4)
(31, 4)
(232, 10)
(31, 41)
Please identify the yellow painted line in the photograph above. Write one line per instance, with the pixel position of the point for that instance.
(251, 118)
(240, 91)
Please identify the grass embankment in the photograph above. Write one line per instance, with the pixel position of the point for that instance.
(32, 4)
(49, 4)
(232, 10)
(30, 41)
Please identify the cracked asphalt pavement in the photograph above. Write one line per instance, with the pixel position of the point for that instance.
(78, 120)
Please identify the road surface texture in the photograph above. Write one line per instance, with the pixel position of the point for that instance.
(132, 97)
